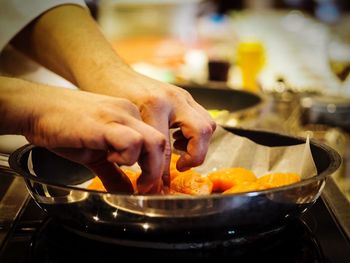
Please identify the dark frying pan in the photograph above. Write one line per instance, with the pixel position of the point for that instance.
(232, 100)
(235, 107)
(168, 221)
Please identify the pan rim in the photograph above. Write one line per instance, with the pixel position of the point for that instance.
(335, 161)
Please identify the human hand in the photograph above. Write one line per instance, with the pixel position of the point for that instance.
(95, 130)
(91, 64)
(164, 106)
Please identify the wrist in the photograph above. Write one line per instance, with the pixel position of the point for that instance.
(15, 106)
(114, 79)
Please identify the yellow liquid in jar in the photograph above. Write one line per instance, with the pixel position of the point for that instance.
(250, 59)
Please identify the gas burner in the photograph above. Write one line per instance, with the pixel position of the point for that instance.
(293, 243)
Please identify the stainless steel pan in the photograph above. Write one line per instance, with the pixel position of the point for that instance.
(168, 221)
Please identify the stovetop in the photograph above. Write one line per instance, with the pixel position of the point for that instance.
(35, 237)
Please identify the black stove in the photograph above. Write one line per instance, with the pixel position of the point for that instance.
(316, 237)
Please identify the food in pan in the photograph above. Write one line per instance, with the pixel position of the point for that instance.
(226, 180)
(244, 187)
(278, 179)
(96, 183)
(191, 183)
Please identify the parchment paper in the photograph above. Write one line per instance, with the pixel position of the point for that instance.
(230, 150)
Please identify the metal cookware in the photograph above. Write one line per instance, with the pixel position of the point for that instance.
(159, 221)
(222, 98)
(328, 110)
(235, 107)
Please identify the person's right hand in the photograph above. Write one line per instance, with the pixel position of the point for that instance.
(85, 127)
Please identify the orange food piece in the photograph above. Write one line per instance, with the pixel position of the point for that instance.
(97, 184)
(133, 176)
(244, 187)
(174, 158)
(173, 192)
(278, 179)
(191, 183)
(227, 178)
(173, 171)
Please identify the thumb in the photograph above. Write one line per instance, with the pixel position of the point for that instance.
(161, 123)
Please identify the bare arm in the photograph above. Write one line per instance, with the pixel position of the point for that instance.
(67, 40)
(89, 128)
(75, 48)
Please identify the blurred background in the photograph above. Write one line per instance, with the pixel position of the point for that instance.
(247, 44)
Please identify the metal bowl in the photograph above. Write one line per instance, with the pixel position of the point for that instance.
(168, 221)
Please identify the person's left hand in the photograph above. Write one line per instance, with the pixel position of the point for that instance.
(164, 106)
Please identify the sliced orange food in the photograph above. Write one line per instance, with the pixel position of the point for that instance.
(226, 178)
(173, 192)
(97, 184)
(133, 176)
(191, 183)
(173, 171)
(278, 179)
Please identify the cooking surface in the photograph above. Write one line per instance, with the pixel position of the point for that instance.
(315, 238)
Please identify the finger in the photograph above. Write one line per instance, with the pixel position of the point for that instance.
(79, 155)
(204, 113)
(161, 123)
(96, 161)
(111, 178)
(156, 188)
(151, 157)
(197, 130)
(151, 163)
(199, 109)
(125, 144)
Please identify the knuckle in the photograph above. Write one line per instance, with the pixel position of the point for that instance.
(184, 92)
(157, 103)
(129, 159)
(131, 153)
(212, 124)
(160, 142)
(206, 130)
(137, 140)
(129, 106)
(197, 160)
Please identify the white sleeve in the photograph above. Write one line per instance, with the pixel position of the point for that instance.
(16, 14)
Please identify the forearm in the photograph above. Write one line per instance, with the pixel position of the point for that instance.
(16, 109)
(67, 41)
